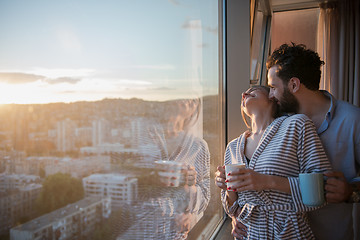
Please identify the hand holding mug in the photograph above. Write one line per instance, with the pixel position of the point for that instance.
(337, 188)
(220, 177)
(189, 175)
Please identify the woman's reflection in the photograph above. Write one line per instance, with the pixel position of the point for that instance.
(167, 207)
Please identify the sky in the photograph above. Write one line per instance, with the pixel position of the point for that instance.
(67, 51)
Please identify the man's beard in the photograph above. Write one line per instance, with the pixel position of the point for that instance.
(288, 103)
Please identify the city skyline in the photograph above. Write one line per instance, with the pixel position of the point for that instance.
(86, 51)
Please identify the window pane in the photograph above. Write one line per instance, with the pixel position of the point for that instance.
(257, 46)
(110, 121)
(298, 26)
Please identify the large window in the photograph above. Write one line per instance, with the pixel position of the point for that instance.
(298, 26)
(110, 119)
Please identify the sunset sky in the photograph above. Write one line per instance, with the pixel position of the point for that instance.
(66, 51)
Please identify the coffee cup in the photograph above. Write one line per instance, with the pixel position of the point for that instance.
(312, 189)
(169, 172)
(230, 168)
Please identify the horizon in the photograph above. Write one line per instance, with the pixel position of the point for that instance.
(106, 98)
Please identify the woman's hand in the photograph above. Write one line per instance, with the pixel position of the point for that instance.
(239, 231)
(247, 179)
(220, 177)
(189, 174)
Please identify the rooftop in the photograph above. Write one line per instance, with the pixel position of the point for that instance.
(57, 215)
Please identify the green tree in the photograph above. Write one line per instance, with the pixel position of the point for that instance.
(59, 190)
(42, 172)
(115, 225)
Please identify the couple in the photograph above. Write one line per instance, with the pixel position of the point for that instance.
(266, 203)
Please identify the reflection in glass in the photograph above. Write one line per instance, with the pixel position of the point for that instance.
(94, 97)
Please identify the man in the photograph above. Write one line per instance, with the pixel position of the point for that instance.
(294, 77)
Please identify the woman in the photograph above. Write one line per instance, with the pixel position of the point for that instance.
(166, 209)
(282, 146)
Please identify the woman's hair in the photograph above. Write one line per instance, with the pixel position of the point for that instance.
(275, 112)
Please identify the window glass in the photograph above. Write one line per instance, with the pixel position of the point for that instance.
(110, 121)
(257, 45)
(298, 26)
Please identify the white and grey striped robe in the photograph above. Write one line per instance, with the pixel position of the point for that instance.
(289, 146)
(157, 212)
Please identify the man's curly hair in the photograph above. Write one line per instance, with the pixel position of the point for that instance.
(296, 61)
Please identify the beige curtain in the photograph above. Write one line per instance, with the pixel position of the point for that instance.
(339, 47)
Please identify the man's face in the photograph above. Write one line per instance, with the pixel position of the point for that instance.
(281, 93)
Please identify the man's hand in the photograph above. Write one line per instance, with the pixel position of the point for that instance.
(337, 188)
(238, 229)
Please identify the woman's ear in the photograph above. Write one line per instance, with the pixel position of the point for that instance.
(294, 84)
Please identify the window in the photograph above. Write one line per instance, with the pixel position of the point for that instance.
(261, 20)
(111, 88)
(298, 26)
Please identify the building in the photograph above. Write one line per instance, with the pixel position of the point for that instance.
(83, 136)
(9, 182)
(100, 131)
(106, 148)
(18, 204)
(65, 135)
(75, 221)
(120, 188)
(14, 162)
(78, 167)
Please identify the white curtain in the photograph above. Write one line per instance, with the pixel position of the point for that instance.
(339, 47)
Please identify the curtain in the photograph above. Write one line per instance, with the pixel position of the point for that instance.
(339, 47)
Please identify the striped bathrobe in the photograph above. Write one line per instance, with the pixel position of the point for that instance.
(289, 146)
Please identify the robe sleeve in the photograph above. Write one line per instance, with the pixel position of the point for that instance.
(199, 199)
(312, 158)
(230, 156)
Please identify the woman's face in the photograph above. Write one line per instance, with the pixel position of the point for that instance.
(255, 99)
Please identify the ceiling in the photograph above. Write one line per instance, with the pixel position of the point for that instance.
(281, 5)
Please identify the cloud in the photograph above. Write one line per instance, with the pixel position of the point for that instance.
(69, 40)
(213, 30)
(196, 24)
(152, 67)
(67, 92)
(203, 45)
(63, 80)
(19, 78)
(174, 2)
(133, 82)
(162, 89)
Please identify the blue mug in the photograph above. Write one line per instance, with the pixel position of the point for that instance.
(312, 189)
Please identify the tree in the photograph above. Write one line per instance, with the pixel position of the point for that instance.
(59, 190)
(111, 228)
(42, 172)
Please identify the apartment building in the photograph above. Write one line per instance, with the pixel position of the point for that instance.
(16, 204)
(75, 221)
(120, 188)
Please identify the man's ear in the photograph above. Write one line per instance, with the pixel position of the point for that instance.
(294, 84)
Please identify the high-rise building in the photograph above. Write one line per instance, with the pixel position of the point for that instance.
(100, 131)
(65, 135)
(120, 188)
